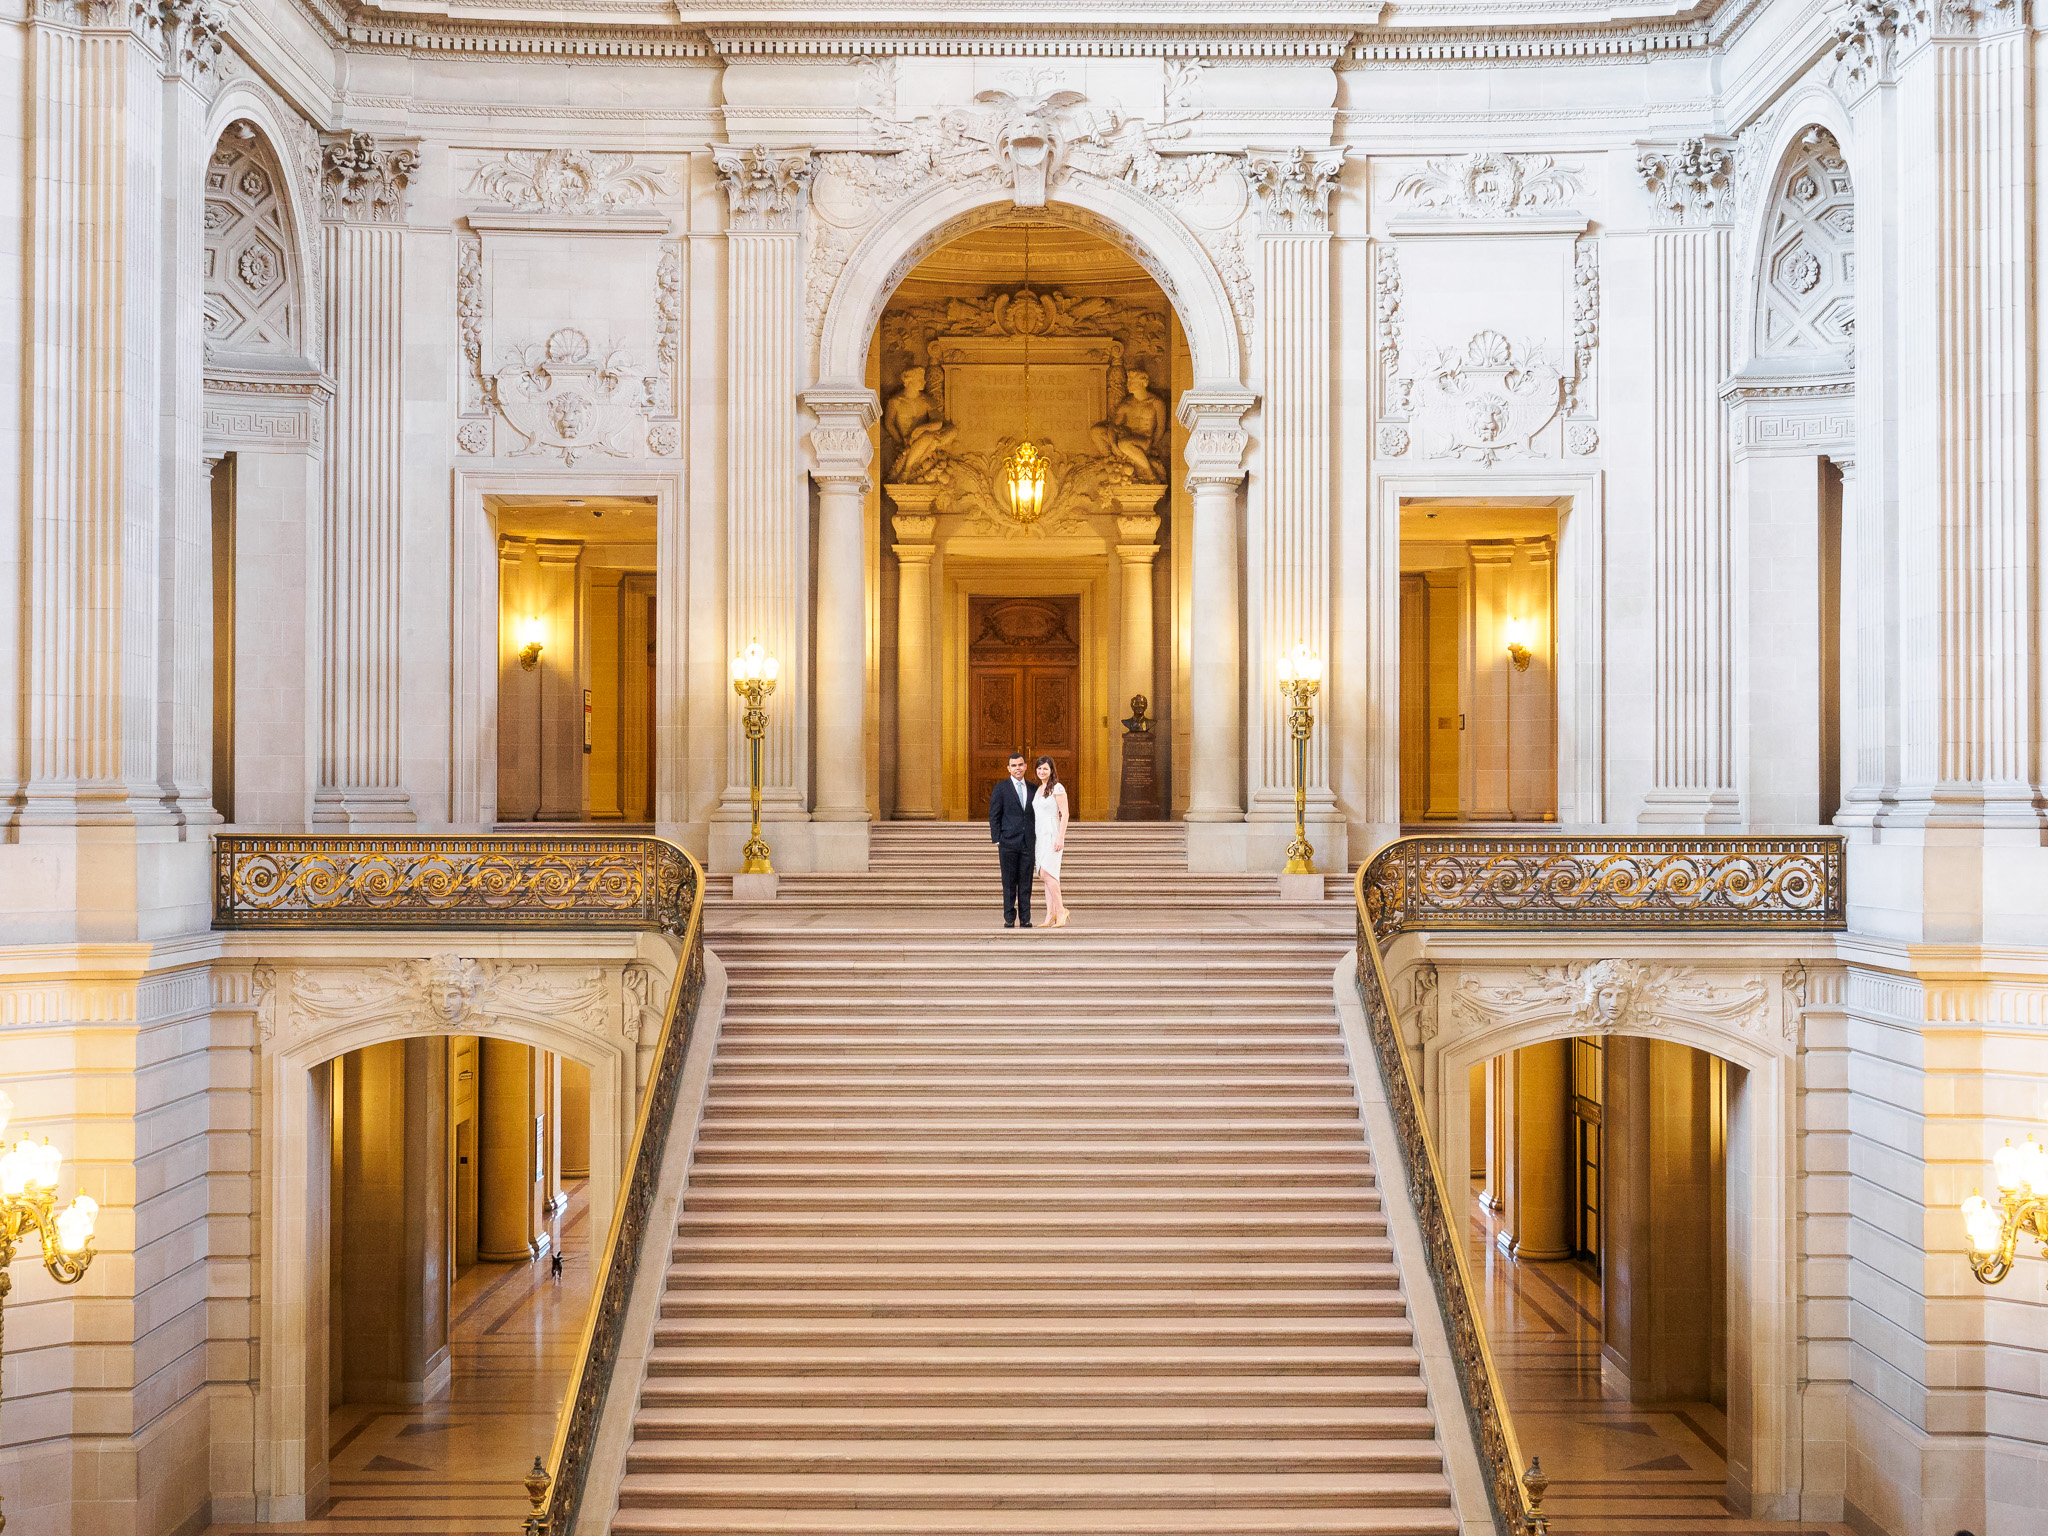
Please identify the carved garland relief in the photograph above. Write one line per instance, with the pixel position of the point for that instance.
(1613, 997)
(1488, 399)
(443, 993)
(566, 395)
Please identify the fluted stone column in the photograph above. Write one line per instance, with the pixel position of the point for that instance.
(1215, 456)
(364, 202)
(917, 742)
(84, 749)
(1287, 585)
(843, 450)
(1690, 188)
(767, 546)
(1946, 755)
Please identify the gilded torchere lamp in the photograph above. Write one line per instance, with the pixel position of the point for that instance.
(1301, 675)
(1994, 1230)
(753, 678)
(28, 1203)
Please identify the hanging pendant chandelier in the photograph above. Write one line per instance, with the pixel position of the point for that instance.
(1024, 466)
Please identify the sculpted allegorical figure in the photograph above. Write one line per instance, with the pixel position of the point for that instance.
(1135, 434)
(912, 417)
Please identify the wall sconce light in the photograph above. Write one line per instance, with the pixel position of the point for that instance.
(532, 640)
(1993, 1231)
(1518, 644)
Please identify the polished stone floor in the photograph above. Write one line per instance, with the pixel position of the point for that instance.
(1616, 1468)
(455, 1465)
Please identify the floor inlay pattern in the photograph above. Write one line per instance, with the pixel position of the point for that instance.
(455, 1465)
(1616, 1468)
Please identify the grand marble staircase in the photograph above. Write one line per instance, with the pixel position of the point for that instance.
(1068, 1232)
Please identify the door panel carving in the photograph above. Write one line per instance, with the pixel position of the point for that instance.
(1024, 687)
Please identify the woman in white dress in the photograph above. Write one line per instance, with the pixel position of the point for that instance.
(1049, 810)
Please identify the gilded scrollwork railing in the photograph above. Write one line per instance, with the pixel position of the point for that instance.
(496, 883)
(582, 883)
(1621, 884)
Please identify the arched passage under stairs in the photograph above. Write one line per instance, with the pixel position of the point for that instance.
(1651, 1012)
(588, 1019)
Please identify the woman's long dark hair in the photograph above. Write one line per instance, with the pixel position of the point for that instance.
(1048, 763)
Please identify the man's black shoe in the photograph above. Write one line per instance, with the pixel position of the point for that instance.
(1010, 922)
(1023, 925)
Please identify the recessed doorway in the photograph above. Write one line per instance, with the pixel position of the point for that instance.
(576, 684)
(1024, 687)
(1478, 661)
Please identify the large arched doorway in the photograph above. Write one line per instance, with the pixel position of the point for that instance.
(1057, 628)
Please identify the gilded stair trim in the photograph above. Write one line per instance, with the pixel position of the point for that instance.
(1502, 884)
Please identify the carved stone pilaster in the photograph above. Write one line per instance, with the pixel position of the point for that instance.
(1294, 189)
(764, 187)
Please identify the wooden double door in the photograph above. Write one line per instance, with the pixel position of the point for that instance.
(1023, 690)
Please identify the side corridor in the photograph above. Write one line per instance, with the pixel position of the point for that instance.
(454, 1465)
(1616, 1468)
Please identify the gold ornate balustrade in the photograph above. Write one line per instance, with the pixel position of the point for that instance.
(1618, 884)
(584, 883)
(594, 884)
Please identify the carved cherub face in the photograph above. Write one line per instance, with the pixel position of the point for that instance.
(913, 381)
(1139, 382)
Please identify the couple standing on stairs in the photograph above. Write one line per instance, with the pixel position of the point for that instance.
(1028, 824)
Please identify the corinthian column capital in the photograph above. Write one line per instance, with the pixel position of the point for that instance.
(765, 187)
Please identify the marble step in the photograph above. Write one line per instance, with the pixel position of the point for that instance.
(1044, 1201)
(982, 1426)
(1116, 1152)
(839, 1176)
(890, 1227)
(1032, 1333)
(1181, 1307)
(1132, 1457)
(1031, 1390)
(1071, 1491)
(657, 1521)
(961, 1277)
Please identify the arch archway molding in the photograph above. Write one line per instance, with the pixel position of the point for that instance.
(1129, 219)
(1464, 1004)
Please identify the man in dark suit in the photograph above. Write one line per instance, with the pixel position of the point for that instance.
(1011, 829)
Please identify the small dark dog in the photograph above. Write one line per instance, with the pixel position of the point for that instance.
(555, 1266)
